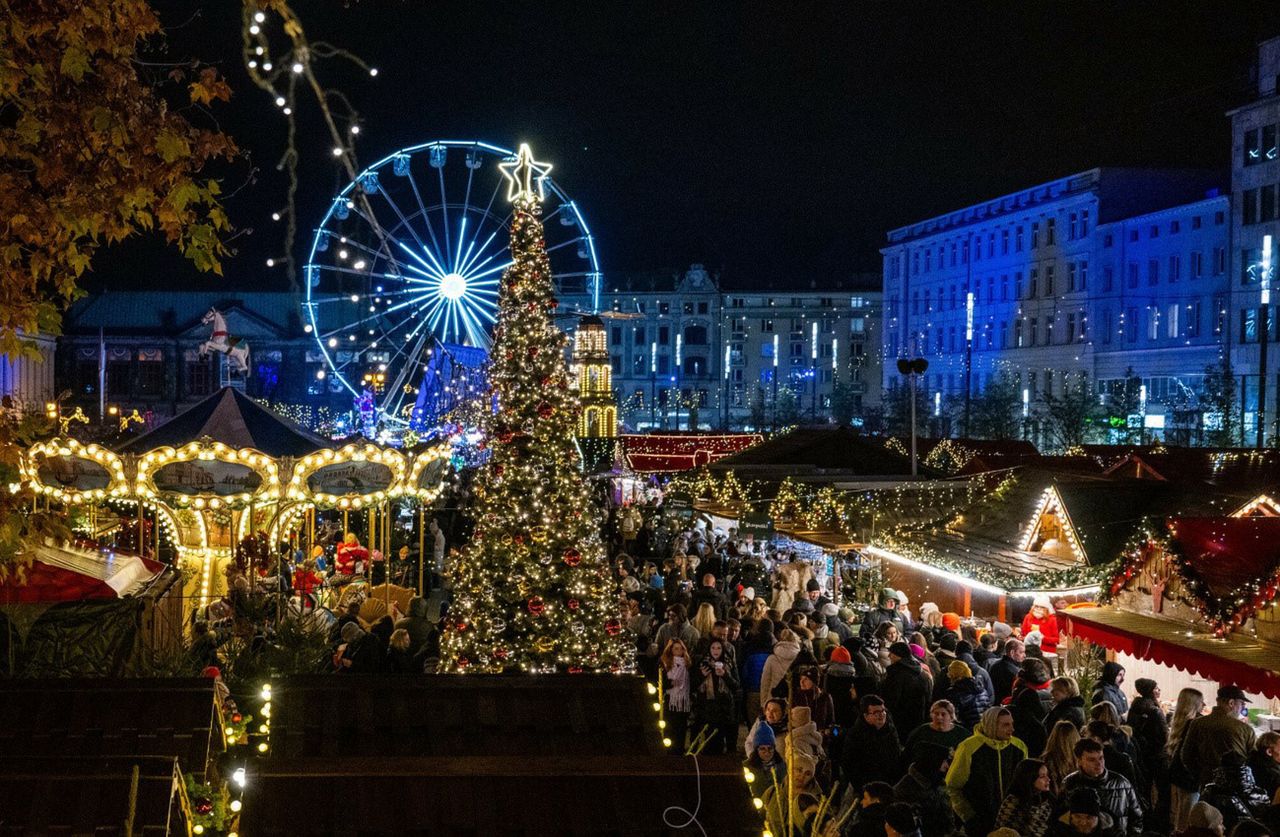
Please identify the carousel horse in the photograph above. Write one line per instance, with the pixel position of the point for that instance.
(235, 350)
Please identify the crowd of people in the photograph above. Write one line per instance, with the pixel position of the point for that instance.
(883, 723)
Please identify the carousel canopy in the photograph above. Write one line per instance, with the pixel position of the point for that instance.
(230, 417)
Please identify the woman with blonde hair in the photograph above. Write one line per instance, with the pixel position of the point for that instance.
(704, 620)
(1184, 790)
(677, 668)
(1059, 751)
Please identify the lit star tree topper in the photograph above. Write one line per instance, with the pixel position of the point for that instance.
(532, 590)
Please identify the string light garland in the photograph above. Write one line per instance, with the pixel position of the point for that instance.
(63, 449)
(300, 486)
(532, 591)
(266, 468)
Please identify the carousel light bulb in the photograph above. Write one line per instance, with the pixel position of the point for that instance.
(235, 806)
(253, 65)
(267, 66)
(280, 100)
(297, 67)
(337, 151)
(287, 111)
(259, 51)
(259, 16)
(254, 29)
(359, 265)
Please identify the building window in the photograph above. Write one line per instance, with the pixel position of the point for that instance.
(1107, 240)
(1133, 236)
(615, 336)
(1219, 261)
(664, 364)
(1017, 239)
(1084, 276)
(199, 373)
(1106, 327)
(1035, 234)
(1171, 320)
(1048, 280)
(664, 308)
(1131, 326)
(118, 378)
(1195, 222)
(1050, 231)
(1197, 264)
(1004, 288)
(638, 335)
(1193, 319)
(1071, 328)
(1175, 268)
(1249, 206)
(1084, 223)
(1004, 242)
(1175, 227)
(1249, 325)
(1153, 271)
(1133, 274)
(1004, 334)
(1033, 327)
(1252, 148)
(615, 363)
(1219, 218)
(1268, 142)
(1071, 276)
(1017, 285)
(1108, 279)
(1153, 323)
(1267, 197)
(695, 335)
(1033, 282)
(664, 335)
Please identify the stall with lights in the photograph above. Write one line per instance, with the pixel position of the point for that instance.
(1194, 604)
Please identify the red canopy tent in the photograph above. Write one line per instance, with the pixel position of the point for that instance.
(73, 575)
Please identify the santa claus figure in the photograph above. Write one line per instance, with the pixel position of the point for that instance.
(1042, 618)
(350, 558)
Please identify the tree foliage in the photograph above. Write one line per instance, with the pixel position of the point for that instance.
(91, 153)
(1069, 416)
(1220, 398)
(995, 413)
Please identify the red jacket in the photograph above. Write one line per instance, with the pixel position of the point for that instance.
(1048, 626)
(348, 556)
(305, 582)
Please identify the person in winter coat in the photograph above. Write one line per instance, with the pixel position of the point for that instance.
(1108, 688)
(1004, 670)
(714, 688)
(1068, 705)
(756, 648)
(784, 653)
(905, 688)
(802, 735)
(764, 765)
(870, 752)
(400, 659)
(886, 612)
(708, 594)
(830, 616)
(677, 672)
(965, 694)
(360, 652)
(417, 623)
(964, 652)
(818, 701)
(676, 627)
(1115, 793)
(1150, 729)
(1028, 720)
(774, 717)
(838, 678)
(1233, 791)
(1118, 761)
(872, 809)
(1204, 820)
(1264, 761)
(1042, 618)
(982, 771)
(924, 789)
(1210, 737)
(941, 731)
(1060, 752)
(1028, 806)
(1084, 816)
(804, 802)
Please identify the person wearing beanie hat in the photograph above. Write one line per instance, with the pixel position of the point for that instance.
(840, 654)
(922, 787)
(1042, 618)
(964, 693)
(900, 820)
(1001, 631)
(1150, 728)
(887, 611)
(1204, 820)
(1114, 793)
(964, 651)
(1084, 815)
(919, 652)
(1109, 688)
(951, 621)
(764, 762)
(906, 688)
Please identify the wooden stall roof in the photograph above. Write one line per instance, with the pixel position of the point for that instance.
(173, 718)
(480, 755)
(818, 451)
(90, 796)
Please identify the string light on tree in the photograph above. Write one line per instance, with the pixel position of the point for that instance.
(531, 590)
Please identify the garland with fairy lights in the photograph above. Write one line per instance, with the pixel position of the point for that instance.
(1224, 614)
(949, 456)
(1063, 579)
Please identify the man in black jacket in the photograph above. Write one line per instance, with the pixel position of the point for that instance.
(906, 689)
(1005, 669)
(708, 594)
(871, 752)
(1115, 793)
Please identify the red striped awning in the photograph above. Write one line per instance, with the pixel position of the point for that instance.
(1253, 666)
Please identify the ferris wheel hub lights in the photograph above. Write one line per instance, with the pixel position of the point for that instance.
(453, 286)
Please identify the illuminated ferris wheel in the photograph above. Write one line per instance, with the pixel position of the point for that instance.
(407, 262)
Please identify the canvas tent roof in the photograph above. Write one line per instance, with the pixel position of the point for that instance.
(231, 417)
(67, 574)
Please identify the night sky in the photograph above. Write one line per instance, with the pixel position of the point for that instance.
(775, 147)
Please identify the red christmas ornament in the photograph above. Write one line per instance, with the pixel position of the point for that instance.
(575, 669)
(236, 718)
(536, 606)
(574, 604)
(572, 557)
(518, 538)
(501, 653)
(545, 410)
(463, 662)
(460, 625)
(613, 627)
(497, 470)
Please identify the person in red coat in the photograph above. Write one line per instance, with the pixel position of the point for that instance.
(1042, 618)
(305, 579)
(351, 558)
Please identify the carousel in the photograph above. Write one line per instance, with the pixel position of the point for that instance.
(229, 486)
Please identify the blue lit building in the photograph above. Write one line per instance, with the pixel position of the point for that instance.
(1079, 278)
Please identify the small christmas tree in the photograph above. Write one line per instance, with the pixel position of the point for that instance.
(532, 589)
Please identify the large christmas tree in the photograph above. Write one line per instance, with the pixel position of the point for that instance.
(532, 589)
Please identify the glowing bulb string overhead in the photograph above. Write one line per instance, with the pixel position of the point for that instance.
(408, 260)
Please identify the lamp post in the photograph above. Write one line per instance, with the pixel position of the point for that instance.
(913, 368)
(1264, 286)
(968, 357)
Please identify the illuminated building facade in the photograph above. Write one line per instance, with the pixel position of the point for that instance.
(591, 375)
(740, 358)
